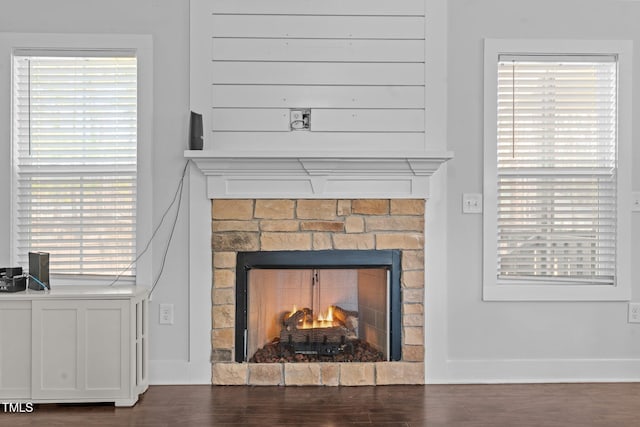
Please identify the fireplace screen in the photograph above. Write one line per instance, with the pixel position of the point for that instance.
(333, 306)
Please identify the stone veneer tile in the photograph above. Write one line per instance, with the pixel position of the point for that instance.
(232, 209)
(330, 374)
(316, 209)
(274, 209)
(223, 296)
(413, 260)
(388, 373)
(400, 241)
(280, 225)
(353, 241)
(224, 260)
(332, 226)
(370, 206)
(413, 320)
(224, 316)
(412, 308)
(322, 241)
(224, 278)
(223, 338)
(235, 241)
(221, 355)
(407, 206)
(354, 224)
(344, 207)
(219, 226)
(229, 373)
(395, 223)
(275, 241)
(265, 374)
(412, 335)
(413, 353)
(357, 374)
(412, 279)
(302, 373)
(410, 296)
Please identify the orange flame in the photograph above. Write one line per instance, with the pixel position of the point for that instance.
(321, 321)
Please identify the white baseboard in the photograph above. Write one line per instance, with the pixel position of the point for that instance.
(536, 371)
(505, 371)
(165, 372)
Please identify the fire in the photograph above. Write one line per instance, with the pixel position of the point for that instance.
(320, 321)
(292, 311)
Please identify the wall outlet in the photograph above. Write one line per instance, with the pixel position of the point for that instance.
(300, 119)
(166, 314)
(634, 312)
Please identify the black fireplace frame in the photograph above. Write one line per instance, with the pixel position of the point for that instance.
(327, 259)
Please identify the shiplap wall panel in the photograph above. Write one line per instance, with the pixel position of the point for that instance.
(359, 65)
(314, 50)
(318, 141)
(318, 27)
(379, 120)
(324, 7)
(324, 120)
(289, 96)
(250, 119)
(317, 73)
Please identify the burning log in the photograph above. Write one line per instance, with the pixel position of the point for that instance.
(348, 318)
(300, 326)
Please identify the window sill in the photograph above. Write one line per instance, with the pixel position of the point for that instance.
(556, 292)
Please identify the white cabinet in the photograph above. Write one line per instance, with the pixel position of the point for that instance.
(15, 349)
(74, 344)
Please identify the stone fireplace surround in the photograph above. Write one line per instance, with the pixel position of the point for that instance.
(307, 225)
(344, 199)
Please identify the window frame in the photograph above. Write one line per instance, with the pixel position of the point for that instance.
(495, 289)
(43, 43)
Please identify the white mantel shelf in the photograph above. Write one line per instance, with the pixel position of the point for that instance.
(317, 175)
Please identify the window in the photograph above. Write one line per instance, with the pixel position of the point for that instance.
(554, 171)
(75, 140)
(77, 171)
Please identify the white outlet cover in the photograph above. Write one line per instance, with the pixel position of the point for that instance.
(166, 314)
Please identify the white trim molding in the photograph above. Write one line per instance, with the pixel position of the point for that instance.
(504, 371)
(317, 175)
(550, 289)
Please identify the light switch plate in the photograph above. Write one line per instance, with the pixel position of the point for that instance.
(472, 203)
(634, 312)
(635, 201)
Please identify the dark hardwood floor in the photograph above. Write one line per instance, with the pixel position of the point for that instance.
(539, 405)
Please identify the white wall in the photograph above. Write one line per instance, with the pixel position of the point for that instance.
(168, 23)
(468, 340)
(515, 341)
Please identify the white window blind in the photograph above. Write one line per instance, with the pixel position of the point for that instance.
(75, 139)
(556, 166)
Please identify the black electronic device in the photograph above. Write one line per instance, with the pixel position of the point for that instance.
(39, 271)
(196, 139)
(12, 279)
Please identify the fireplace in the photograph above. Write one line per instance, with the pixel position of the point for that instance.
(301, 237)
(318, 306)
